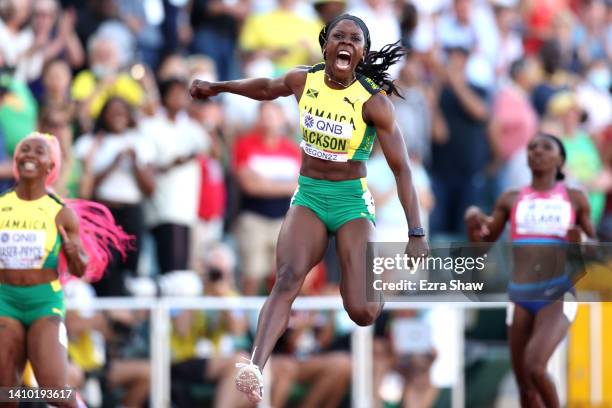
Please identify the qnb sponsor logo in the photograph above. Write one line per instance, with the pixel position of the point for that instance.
(327, 126)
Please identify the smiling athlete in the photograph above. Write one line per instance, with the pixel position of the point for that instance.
(42, 239)
(343, 109)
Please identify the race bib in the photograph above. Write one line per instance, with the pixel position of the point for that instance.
(21, 249)
(324, 138)
(540, 216)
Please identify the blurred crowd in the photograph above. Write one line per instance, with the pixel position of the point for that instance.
(204, 185)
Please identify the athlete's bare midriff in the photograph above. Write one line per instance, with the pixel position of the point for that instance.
(27, 277)
(332, 171)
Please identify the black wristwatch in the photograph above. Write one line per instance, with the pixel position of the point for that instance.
(416, 232)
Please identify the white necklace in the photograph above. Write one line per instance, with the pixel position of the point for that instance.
(340, 83)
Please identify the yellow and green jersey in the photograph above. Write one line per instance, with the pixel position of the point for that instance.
(29, 238)
(331, 120)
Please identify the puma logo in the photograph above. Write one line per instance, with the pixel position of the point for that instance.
(347, 100)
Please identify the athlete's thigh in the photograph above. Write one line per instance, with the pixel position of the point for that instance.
(550, 327)
(351, 245)
(47, 351)
(519, 333)
(12, 351)
(301, 242)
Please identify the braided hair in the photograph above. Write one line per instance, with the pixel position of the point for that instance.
(375, 63)
(560, 175)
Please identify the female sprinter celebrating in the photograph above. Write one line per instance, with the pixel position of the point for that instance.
(543, 218)
(343, 107)
(41, 239)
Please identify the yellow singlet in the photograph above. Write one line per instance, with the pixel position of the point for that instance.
(28, 235)
(331, 120)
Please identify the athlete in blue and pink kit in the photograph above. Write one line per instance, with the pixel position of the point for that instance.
(544, 217)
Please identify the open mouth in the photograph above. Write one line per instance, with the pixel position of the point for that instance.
(29, 166)
(343, 59)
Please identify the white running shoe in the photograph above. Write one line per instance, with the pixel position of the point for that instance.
(250, 380)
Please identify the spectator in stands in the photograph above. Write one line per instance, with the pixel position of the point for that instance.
(57, 120)
(383, 22)
(128, 365)
(554, 77)
(562, 33)
(13, 38)
(117, 164)
(178, 140)
(51, 35)
(456, 28)
(459, 157)
(173, 66)
(584, 165)
(404, 350)
(414, 117)
(282, 36)
(415, 110)
(6, 161)
(201, 66)
(90, 14)
(510, 46)
(390, 226)
(213, 190)
(205, 343)
(114, 28)
(216, 24)
(593, 95)
(300, 354)
(56, 81)
(266, 166)
(538, 16)
(110, 346)
(18, 110)
(327, 10)
(86, 331)
(144, 19)
(514, 122)
(93, 87)
(590, 35)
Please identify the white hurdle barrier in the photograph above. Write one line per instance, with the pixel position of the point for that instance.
(361, 349)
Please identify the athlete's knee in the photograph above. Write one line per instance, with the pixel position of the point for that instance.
(535, 364)
(363, 315)
(537, 372)
(288, 281)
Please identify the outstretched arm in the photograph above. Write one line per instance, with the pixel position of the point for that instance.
(484, 228)
(261, 89)
(379, 111)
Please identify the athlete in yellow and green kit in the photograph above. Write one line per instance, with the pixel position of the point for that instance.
(29, 239)
(343, 109)
(40, 237)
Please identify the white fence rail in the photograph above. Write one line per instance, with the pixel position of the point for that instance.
(361, 348)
